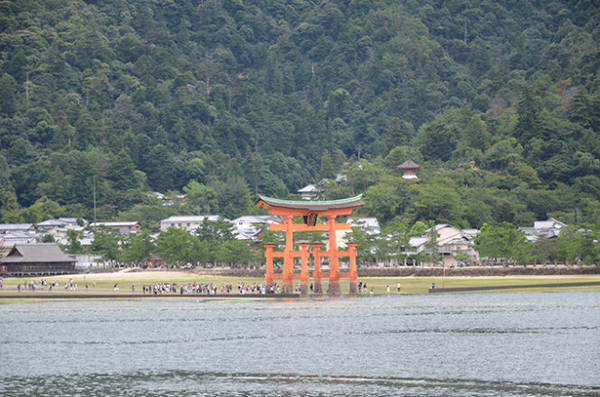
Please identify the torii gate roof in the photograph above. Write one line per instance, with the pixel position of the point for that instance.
(309, 205)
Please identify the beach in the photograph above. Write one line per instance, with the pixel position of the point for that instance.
(131, 283)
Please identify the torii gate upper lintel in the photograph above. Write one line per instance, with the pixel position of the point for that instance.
(310, 210)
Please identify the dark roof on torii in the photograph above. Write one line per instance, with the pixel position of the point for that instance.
(310, 205)
(409, 165)
(36, 253)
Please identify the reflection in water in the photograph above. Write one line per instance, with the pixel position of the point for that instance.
(537, 344)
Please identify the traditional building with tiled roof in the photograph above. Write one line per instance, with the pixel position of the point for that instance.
(36, 260)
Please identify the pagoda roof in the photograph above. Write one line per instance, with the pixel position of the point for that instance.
(409, 165)
(321, 205)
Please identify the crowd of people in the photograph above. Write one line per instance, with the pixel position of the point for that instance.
(164, 288)
(42, 284)
(242, 288)
(195, 288)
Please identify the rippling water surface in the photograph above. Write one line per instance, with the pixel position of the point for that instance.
(537, 344)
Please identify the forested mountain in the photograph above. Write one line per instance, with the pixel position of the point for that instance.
(499, 101)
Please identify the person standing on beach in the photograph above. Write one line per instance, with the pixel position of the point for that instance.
(398, 287)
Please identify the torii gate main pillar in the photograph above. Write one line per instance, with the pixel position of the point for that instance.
(334, 265)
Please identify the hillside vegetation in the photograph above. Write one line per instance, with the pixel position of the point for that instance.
(499, 101)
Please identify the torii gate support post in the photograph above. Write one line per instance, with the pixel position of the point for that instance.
(288, 258)
(269, 265)
(353, 271)
(317, 288)
(304, 275)
(334, 265)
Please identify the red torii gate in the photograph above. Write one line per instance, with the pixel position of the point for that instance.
(310, 210)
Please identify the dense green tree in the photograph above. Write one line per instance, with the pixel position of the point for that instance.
(503, 241)
(234, 252)
(39, 211)
(122, 172)
(528, 116)
(367, 243)
(47, 238)
(215, 232)
(200, 199)
(8, 101)
(8, 198)
(137, 247)
(437, 140)
(250, 98)
(327, 170)
(106, 243)
(435, 201)
(383, 200)
(73, 241)
(176, 247)
(578, 243)
(399, 133)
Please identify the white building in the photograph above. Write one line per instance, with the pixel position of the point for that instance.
(17, 233)
(51, 224)
(121, 227)
(310, 192)
(9, 239)
(370, 224)
(189, 223)
(550, 228)
(455, 245)
(86, 262)
(58, 228)
(249, 226)
(17, 227)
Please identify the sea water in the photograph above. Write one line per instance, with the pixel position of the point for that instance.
(532, 343)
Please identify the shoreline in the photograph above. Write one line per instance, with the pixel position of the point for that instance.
(101, 285)
(46, 295)
(512, 287)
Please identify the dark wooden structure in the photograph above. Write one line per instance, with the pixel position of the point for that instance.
(36, 260)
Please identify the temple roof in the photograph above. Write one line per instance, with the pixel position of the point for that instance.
(409, 165)
(322, 205)
(34, 253)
